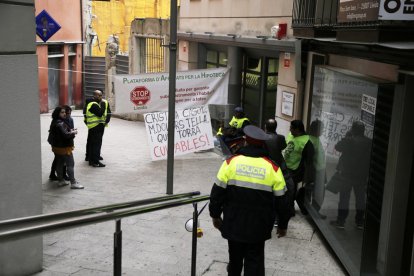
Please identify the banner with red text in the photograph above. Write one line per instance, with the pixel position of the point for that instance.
(145, 93)
(192, 131)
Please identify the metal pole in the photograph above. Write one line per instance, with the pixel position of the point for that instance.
(171, 97)
(194, 243)
(118, 249)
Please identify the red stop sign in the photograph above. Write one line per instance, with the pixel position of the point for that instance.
(140, 95)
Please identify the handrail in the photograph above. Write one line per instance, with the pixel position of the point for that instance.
(67, 224)
(14, 229)
(94, 210)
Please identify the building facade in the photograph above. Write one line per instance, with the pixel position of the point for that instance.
(359, 71)
(113, 18)
(249, 37)
(20, 158)
(60, 57)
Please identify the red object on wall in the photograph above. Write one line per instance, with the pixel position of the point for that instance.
(281, 33)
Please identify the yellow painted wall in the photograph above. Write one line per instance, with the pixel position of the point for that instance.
(115, 17)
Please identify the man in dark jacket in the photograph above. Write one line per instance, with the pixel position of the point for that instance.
(249, 189)
(275, 144)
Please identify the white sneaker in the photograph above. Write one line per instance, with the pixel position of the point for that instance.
(62, 183)
(76, 185)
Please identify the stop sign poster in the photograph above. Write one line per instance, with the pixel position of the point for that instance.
(192, 131)
(149, 92)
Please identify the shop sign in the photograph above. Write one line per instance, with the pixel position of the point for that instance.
(396, 10)
(358, 10)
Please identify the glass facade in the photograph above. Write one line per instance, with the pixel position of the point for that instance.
(341, 130)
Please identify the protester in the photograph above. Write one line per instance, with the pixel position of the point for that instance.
(98, 115)
(298, 155)
(230, 138)
(61, 138)
(317, 191)
(249, 190)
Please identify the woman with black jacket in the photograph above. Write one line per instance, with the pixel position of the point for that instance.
(61, 138)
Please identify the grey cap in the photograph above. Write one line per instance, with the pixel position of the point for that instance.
(255, 133)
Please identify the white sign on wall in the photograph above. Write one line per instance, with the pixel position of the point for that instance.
(396, 10)
(192, 131)
(149, 92)
(287, 103)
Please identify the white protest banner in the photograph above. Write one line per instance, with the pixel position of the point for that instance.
(149, 92)
(192, 131)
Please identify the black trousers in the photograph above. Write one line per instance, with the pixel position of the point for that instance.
(247, 255)
(94, 143)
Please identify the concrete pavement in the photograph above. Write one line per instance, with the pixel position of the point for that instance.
(154, 243)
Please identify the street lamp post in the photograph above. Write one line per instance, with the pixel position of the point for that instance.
(171, 98)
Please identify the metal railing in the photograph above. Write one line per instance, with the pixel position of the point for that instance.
(18, 228)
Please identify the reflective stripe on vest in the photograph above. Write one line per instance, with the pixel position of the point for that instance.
(237, 123)
(255, 173)
(219, 132)
(91, 119)
(294, 149)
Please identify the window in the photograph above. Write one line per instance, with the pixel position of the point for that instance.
(216, 59)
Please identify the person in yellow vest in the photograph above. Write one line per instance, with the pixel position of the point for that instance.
(239, 120)
(319, 166)
(97, 117)
(298, 155)
(230, 137)
(248, 191)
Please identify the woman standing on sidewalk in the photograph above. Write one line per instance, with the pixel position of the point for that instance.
(61, 138)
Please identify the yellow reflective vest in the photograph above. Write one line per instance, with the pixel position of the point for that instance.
(257, 173)
(91, 119)
(237, 123)
(294, 149)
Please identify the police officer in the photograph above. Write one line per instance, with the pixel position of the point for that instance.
(249, 189)
(97, 117)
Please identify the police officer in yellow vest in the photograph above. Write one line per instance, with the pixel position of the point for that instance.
(249, 190)
(298, 155)
(97, 116)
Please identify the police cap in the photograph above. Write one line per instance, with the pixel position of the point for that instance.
(255, 133)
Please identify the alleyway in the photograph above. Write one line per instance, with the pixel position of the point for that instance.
(155, 243)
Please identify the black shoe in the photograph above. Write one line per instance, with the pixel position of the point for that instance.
(65, 177)
(53, 177)
(98, 165)
(86, 158)
(100, 158)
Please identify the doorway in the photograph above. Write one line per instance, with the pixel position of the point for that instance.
(259, 87)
